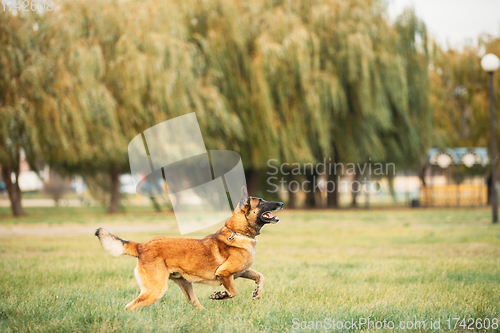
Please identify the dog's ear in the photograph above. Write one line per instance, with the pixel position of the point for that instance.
(244, 200)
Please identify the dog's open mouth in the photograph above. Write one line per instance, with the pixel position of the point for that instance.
(269, 217)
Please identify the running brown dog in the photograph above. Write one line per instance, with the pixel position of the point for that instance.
(215, 260)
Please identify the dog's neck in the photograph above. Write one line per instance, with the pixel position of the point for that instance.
(233, 234)
(238, 223)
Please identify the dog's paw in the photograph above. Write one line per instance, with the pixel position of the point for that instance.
(219, 295)
(257, 293)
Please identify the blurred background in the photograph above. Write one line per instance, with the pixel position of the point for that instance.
(281, 82)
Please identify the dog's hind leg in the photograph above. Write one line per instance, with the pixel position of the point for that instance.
(187, 289)
(258, 278)
(152, 279)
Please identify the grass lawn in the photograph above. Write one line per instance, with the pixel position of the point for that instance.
(397, 265)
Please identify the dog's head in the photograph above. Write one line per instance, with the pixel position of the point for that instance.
(256, 212)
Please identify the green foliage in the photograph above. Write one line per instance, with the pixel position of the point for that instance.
(278, 79)
(460, 94)
(305, 76)
(21, 64)
(270, 79)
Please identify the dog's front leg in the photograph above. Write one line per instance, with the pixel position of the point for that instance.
(225, 275)
(228, 283)
(258, 278)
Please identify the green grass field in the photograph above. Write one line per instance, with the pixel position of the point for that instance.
(398, 265)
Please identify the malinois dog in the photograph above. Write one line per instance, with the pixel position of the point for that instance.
(215, 260)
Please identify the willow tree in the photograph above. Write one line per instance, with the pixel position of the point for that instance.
(376, 95)
(155, 73)
(71, 113)
(413, 48)
(315, 79)
(261, 58)
(353, 102)
(21, 59)
(123, 67)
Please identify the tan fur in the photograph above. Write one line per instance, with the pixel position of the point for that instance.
(213, 260)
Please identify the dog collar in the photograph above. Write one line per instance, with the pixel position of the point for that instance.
(234, 234)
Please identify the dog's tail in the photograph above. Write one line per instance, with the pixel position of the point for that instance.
(115, 245)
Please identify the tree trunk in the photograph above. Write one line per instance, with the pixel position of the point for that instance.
(390, 181)
(421, 173)
(488, 184)
(114, 204)
(292, 196)
(310, 196)
(253, 177)
(367, 193)
(332, 199)
(355, 191)
(155, 204)
(13, 190)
